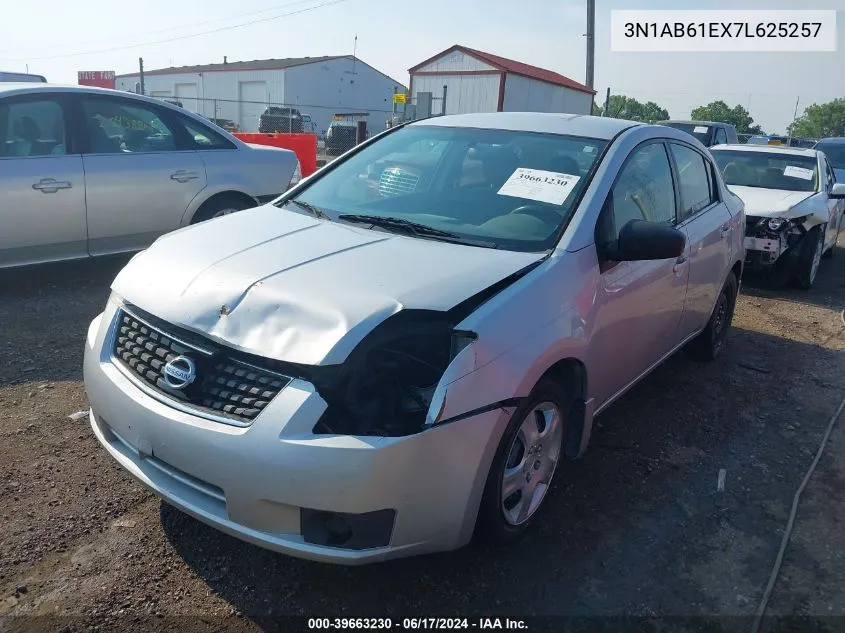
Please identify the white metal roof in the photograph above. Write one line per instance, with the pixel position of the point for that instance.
(542, 122)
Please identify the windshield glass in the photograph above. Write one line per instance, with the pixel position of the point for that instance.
(835, 153)
(701, 132)
(767, 170)
(511, 189)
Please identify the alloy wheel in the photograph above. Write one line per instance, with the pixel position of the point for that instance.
(531, 462)
(817, 258)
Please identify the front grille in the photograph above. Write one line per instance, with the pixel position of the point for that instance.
(224, 385)
(395, 182)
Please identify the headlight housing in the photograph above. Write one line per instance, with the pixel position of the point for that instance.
(387, 385)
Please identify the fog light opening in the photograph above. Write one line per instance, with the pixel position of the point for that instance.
(348, 531)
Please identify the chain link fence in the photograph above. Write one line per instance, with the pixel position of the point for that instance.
(337, 128)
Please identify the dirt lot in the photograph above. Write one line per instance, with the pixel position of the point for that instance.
(637, 527)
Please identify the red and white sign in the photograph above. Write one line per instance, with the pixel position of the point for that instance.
(99, 78)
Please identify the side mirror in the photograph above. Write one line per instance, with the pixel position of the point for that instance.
(640, 240)
(837, 191)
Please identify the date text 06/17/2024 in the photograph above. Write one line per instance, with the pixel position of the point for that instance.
(415, 624)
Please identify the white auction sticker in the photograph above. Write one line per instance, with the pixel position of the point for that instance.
(700, 129)
(798, 172)
(536, 184)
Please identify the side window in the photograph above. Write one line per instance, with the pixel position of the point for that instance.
(118, 126)
(643, 190)
(693, 180)
(204, 137)
(721, 136)
(829, 173)
(32, 128)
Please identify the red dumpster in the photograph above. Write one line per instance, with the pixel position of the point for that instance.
(305, 146)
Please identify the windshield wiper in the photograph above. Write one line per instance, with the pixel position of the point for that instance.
(310, 208)
(414, 228)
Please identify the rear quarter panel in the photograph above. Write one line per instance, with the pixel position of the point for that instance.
(253, 172)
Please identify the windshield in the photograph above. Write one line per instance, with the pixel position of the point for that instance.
(768, 170)
(701, 132)
(513, 190)
(835, 153)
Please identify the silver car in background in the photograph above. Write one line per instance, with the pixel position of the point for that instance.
(90, 171)
(397, 353)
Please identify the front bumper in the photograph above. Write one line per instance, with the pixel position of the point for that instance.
(254, 483)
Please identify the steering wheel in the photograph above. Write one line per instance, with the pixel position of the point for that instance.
(537, 210)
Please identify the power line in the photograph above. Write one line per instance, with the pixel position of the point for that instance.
(204, 22)
(177, 38)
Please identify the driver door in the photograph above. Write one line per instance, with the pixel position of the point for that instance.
(640, 304)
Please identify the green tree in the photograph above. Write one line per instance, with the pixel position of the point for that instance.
(721, 112)
(821, 120)
(622, 107)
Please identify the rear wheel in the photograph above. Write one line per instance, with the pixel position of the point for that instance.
(709, 344)
(809, 258)
(524, 465)
(220, 206)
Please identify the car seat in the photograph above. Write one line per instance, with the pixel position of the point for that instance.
(27, 129)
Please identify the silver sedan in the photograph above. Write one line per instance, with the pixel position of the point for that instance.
(396, 354)
(88, 171)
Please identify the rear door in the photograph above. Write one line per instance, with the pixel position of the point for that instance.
(141, 172)
(707, 223)
(640, 304)
(42, 184)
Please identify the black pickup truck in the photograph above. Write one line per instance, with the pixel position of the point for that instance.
(710, 133)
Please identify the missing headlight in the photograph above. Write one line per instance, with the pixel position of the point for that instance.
(389, 380)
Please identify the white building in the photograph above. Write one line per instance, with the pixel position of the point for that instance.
(241, 91)
(480, 82)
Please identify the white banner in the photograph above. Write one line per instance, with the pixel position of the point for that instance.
(721, 31)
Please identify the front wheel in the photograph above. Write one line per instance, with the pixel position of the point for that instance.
(524, 465)
(709, 344)
(810, 257)
(831, 252)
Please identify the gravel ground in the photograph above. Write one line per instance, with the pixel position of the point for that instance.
(636, 528)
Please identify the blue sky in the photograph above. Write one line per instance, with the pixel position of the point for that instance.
(393, 36)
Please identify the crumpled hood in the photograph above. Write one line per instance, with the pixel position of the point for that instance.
(287, 286)
(769, 203)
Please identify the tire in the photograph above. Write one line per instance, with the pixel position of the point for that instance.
(831, 253)
(499, 521)
(221, 205)
(708, 345)
(807, 265)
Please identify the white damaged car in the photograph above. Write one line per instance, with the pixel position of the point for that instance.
(794, 207)
(397, 353)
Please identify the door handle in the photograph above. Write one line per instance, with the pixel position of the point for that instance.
(50, 185)
(184, 176)
(680, 263)
(726, 228)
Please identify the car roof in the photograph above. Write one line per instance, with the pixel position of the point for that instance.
(833, 140)
(15, 88)
(772, 149)
(695, 122)
(604, 128)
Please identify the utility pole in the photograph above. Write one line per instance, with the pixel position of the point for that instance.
(591, 42)
(794, 117)
(141, 66)
(606, 103)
